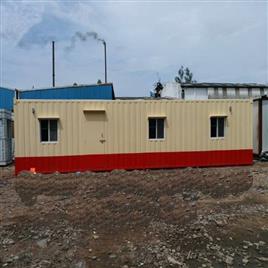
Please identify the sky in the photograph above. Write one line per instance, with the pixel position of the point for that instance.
(147, 41)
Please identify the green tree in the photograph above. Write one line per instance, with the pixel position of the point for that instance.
(184, 76)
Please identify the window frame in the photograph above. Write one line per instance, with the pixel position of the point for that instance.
(164, 126)
(40, 130)
(224, 117)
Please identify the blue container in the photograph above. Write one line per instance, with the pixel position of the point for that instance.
(6, 98)
(94, 92)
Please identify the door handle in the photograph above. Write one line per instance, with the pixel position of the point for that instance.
(102, 140)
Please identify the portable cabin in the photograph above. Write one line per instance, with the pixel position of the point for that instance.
(260, 125)
(80, 135)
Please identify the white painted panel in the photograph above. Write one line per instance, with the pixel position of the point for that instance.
(230, 92)
(171, 90)
(189, 94)
(265, 125)
(255, 121)
(202, 93)
(220, 93)
(256, 92)
(243, 92)
(196, 94)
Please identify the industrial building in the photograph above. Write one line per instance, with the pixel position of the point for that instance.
(75, 92)
(80, 135)
(6, 98)
(260, 126)
(204, 91)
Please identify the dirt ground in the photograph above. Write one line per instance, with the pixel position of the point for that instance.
(192, 217)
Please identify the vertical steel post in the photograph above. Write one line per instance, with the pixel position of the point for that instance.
(105, 61)
(53, 63)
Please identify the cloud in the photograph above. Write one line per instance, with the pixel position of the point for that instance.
(221, 42)
(49, 28)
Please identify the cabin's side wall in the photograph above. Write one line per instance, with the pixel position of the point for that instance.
(114, 134)
(256, 127)
(5, 137)
(264, 125)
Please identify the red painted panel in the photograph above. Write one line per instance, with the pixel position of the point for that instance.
(106, 162)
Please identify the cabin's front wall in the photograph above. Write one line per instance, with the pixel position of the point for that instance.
(104, 135)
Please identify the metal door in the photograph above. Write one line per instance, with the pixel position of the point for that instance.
(94, 132)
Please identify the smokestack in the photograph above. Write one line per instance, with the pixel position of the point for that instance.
(105, 61)
(53, 63)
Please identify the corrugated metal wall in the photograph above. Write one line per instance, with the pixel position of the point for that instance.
(102, 91)
(124, 126)
(5, 137)
(6, 98)
(255, 120)
(264, 125)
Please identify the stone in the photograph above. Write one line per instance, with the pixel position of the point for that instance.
(42, 243)
(172, 260)
(8, 241)
(219, 223)
(245, 260)
(229, 260)
(80, 264)
(264, 259)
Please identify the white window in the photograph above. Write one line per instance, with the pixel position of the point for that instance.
(217, 126)
(156, 128)
(49, 130)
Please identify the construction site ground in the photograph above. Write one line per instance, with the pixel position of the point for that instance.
(189, 217)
